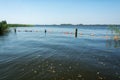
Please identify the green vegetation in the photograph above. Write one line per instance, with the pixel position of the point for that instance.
(115, 29)
(20, 25)
(3, 27)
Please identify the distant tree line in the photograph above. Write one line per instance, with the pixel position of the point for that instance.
(3, 27)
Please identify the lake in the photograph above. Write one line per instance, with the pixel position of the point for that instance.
(30, 54)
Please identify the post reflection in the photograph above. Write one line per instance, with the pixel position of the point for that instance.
(45, 32)
(113, 43)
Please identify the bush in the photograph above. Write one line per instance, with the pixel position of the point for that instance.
(3, 27)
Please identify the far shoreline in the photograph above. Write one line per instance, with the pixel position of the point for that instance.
(32, 25)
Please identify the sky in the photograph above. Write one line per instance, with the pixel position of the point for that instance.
(60, 11)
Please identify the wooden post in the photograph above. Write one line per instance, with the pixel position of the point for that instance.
(76, 31)
(45, 32)
(15, 30)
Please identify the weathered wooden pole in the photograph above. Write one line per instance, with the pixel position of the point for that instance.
(76, 32)
(15, 30)
(45, 32)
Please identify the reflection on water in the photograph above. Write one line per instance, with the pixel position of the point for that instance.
(113, 43)
(55, 54)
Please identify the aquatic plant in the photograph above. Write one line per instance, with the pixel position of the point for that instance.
(3, 27)
(115, 29)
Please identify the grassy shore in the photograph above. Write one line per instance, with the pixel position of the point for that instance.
(20, 25)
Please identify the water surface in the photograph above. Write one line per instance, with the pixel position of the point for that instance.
(30, 54)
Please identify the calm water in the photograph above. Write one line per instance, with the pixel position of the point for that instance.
(30, 54)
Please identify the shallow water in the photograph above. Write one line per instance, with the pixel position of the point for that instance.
(30, 54)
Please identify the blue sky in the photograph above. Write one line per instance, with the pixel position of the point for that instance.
(60, 11)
